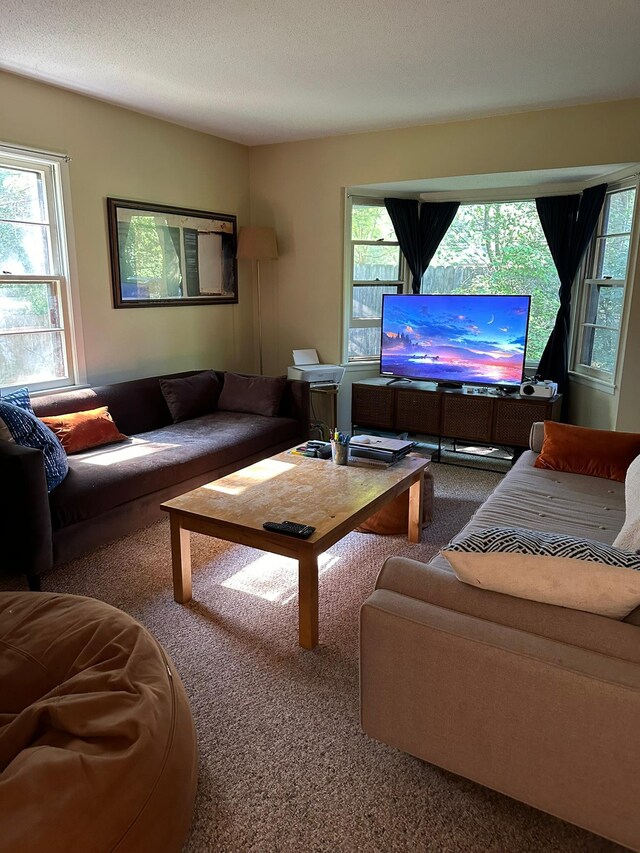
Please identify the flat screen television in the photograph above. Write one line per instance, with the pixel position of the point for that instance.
(455, 339)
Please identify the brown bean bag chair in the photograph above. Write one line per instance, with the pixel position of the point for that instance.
(393, 518)
(97, 744)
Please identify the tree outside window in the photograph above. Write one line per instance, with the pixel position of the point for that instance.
(499, 248)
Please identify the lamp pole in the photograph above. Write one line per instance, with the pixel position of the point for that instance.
(257, 243)
(259, 316)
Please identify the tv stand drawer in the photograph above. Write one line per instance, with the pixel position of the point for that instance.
(464, 416)
(417, 411)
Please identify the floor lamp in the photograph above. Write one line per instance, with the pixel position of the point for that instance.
(257, 244)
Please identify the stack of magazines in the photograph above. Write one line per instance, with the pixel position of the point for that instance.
(380, 448)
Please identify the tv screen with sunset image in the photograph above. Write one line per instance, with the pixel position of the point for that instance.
(455, 338)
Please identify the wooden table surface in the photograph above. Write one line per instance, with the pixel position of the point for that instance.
(332, 498)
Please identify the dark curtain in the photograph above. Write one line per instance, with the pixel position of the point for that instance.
(568, 223)
(191, 270)
(420, 229)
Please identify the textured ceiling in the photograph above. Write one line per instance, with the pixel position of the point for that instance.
(259, 72)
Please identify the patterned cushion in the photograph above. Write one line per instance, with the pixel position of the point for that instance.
(564, 570)
(27, 430)
(20, 397)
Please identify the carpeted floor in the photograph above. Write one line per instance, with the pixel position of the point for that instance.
(284, 766)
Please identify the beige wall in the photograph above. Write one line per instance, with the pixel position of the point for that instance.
(119, 153)
(298, 188)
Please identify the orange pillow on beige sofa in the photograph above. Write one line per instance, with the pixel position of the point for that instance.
(595, 452)
(82, 430)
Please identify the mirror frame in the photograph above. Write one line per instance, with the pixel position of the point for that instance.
(228, 229)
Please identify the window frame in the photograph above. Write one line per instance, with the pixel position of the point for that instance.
(63, 273)
(586, 281)
(401, 283)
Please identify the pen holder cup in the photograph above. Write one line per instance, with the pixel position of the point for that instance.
(339, 452)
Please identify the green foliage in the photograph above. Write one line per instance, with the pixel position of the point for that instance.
(502, 249)
(372, 222)
(144, 253)
(15, 194)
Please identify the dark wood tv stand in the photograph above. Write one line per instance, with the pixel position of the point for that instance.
(418, 407)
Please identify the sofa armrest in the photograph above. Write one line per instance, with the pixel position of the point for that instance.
(296, 404)
(440, 587)
(547, 723)
(536, 436)
(25, 518)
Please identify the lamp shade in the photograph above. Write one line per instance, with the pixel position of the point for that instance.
(257, 244)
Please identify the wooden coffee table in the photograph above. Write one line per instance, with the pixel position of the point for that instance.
(332, 498)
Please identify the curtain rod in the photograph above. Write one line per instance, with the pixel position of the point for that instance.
(38, 152)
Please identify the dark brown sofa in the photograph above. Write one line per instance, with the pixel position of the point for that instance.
(114, 489)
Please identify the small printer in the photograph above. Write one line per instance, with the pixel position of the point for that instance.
(306, 366)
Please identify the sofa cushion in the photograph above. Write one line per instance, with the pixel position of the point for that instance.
(20, 397)
(563, 570)
(106, 477)
(629, 536)
(191, 396)
(28, 431)
(136, 406)
(260, 395)
(594, 452)
(81, 430)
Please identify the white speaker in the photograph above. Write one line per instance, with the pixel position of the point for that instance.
(546, 389)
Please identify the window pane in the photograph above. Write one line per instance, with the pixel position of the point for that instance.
(599, 349)
(367, 300)
(605, 306)
(22, 195)
(24, 249)
(32, 357)
(376, 263)
(371, 222)
(29, 306)
(499, 248)
(364, 343)
(618, 212)
(614, 253)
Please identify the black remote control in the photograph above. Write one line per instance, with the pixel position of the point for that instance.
(290, 528)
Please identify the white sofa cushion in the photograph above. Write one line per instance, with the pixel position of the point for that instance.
(629, 536)
(563, 570)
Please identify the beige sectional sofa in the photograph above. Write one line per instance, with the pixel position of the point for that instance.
(537, 701)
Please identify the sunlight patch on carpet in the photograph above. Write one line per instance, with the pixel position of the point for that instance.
(273, 577)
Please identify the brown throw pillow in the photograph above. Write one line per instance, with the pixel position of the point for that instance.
(580, 450)
(256, 395)
(81, 430)
(191, 396)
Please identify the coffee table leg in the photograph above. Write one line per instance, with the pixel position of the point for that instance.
(308, 600)
(180, 560)
(416, 498)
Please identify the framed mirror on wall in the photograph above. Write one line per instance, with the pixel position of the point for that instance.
(164, 255)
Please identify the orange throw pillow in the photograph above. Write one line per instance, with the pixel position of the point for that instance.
(82, 430)
(595, 452)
